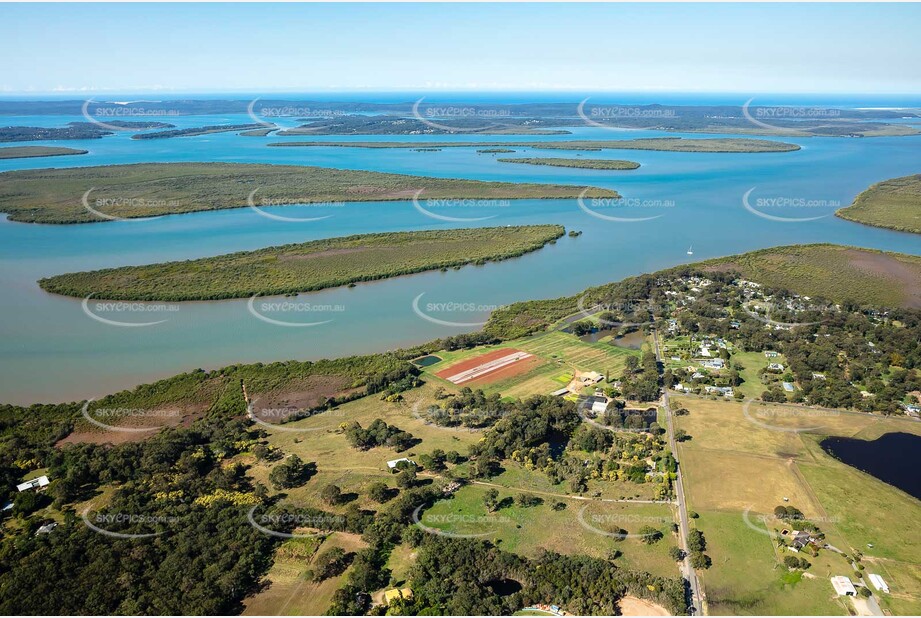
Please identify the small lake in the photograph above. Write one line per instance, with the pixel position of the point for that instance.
(893, 458)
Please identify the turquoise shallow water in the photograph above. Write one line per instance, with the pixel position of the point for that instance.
(50, 350)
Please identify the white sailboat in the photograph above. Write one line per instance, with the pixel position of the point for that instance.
(691, 250)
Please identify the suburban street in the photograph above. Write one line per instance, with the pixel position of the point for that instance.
(689, 574)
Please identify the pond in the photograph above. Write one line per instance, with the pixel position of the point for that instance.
(893, 458)
(427, 361)
(504, 587)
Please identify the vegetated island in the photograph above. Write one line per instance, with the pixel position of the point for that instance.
(217, 128)
(591, 164)
(495, 150)
(306, 267)
(152, 189)
(671, 144)
(74, 130)
(29, 152)
(893, 204)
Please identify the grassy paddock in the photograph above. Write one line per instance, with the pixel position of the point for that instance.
(747, 579)
(289, 592)
(733, 463)
(526, 531)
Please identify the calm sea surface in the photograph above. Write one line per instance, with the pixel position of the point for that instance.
(50, 350)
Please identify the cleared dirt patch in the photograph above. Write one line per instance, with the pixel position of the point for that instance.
(633, 606)
(488, 367)
(509, 371)
(132, 421)
(301, 397)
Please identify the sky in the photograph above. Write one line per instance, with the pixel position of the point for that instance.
(784, 48)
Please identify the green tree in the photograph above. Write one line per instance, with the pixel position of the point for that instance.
(491, 499)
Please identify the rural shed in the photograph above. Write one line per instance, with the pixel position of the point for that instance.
(37, 483)
(879, 583)
(393, 463)
(843, 586)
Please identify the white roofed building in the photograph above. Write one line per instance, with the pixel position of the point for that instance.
(36, 483)
(843, 586)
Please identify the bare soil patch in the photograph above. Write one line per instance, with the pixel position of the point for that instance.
(634, 606)
(300, 397)
(488, 376)
(510, 371)
(155, 419)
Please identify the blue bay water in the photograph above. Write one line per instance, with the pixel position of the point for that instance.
(51, 351)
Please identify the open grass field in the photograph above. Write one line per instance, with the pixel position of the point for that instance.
(526, 530)
(671, 144)
(304, 267)
(753, 363)
(894, 204)
(904, 579)
(834, 272)
(153, 189)
(28, 152)
(735, 462)
(560, 355)
(289, 592)
(746, 577)
(588, 164)
(317, 439)
(517, 477)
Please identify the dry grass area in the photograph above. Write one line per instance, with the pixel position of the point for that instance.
(318, 439)
(736, 461)
(720, 481)
(287, 590)
(299, 396)
(633, 606)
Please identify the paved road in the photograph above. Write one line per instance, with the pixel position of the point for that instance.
(689, 574)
